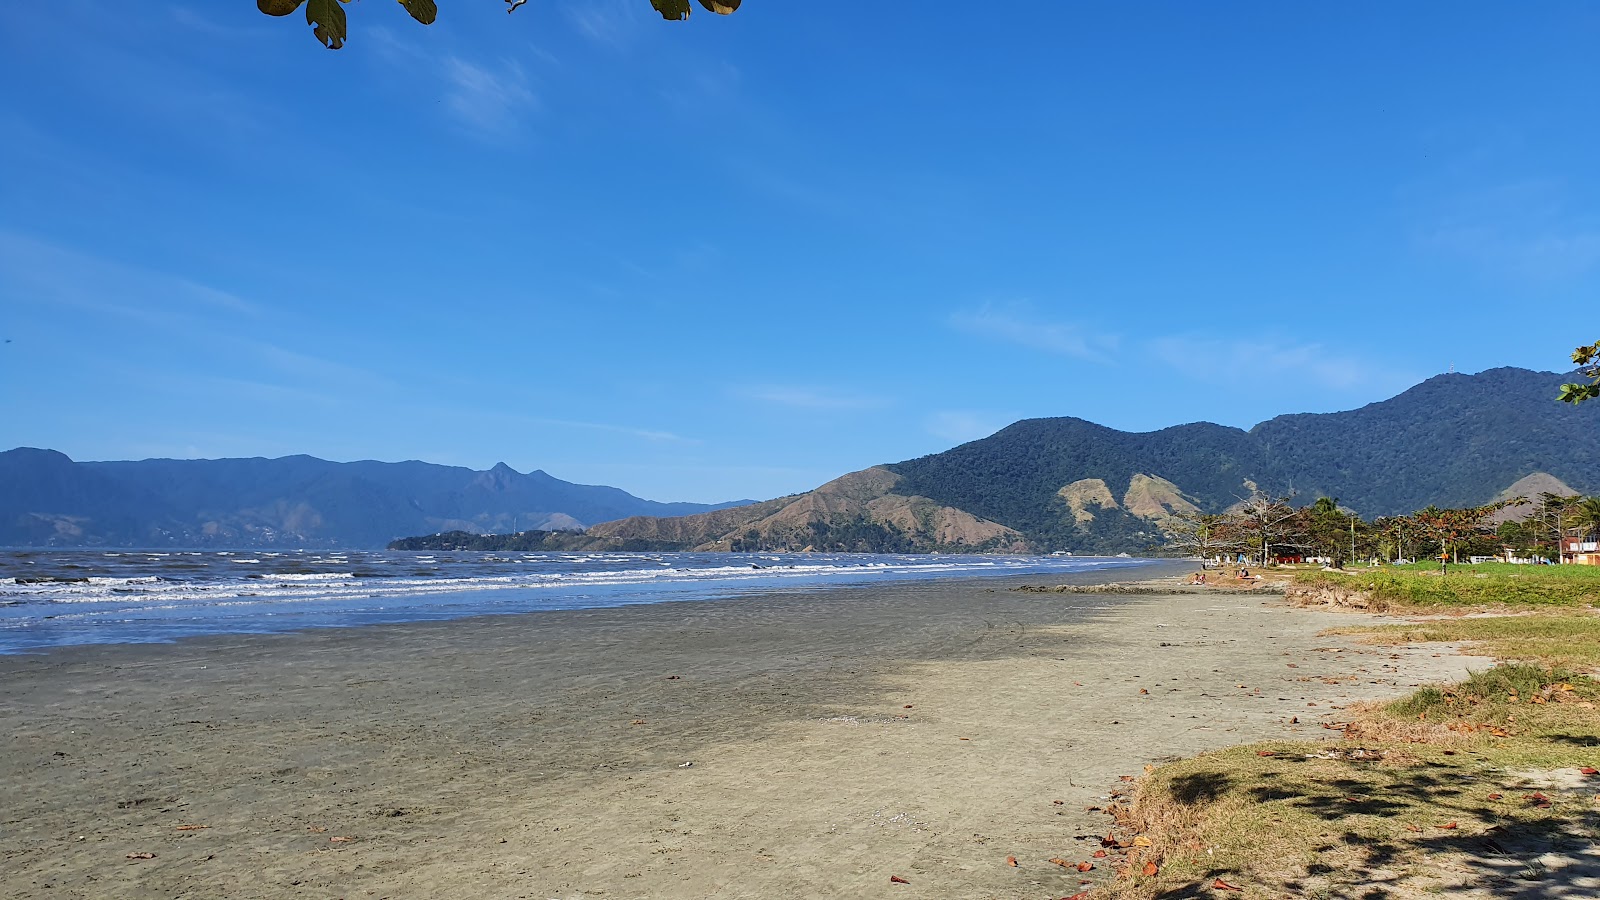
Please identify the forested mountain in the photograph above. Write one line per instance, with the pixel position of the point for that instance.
(296, 501)
(1069, 484)
(1452, 440)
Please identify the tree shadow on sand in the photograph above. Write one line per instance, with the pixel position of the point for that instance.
(1512, 848)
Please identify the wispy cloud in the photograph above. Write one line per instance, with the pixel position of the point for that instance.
(1531, 229)
(516, 418)
(1250, 360)
(1019, 324)
(963, 425)
(491, 99)
(813, 398)
(611, 23)
(40, 271)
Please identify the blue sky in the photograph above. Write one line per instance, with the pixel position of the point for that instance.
(735, 257)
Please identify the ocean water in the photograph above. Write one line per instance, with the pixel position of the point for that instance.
(55, 598)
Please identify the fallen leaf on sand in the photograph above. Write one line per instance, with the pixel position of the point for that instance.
(1011, 861)
(1410, 827)
(1265, 753)
(190, 827)
(1078, 683)
(1144, 690)
(1140, 840)
(907, 706)
(1589, 770)
(896, 879)
(1060, 862)
(1446, 826)
(1099, 854)
(1124, 777)
(1058, 802)
(1081, 895)
(1150, 869)
(1496, 796)
(141, 856)
(1149, 769)
(963, 739)
(1221, 885)
(637, 722)
(340, 839)
(1499, 732)
(672, 678)
(1085, 867)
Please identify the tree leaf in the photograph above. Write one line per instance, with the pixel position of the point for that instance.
(720, 7)
(672, 10)
(1150, 869)
(424, 11)
(278, 7)
(328, 17)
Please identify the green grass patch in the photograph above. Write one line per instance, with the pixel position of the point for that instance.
(1418, 800)
(1486, 585)
(1570, 641)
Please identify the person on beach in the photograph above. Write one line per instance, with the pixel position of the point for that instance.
(1198, 578)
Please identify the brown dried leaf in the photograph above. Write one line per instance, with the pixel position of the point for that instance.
(141, 856)
(893, 879)
(1221, 885)
(1150, 869)
(1011, 861)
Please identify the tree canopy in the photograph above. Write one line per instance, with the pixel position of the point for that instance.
(328, 23)
(1588, 357)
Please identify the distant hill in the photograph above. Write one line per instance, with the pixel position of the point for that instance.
(296, 501)
(1066, 483)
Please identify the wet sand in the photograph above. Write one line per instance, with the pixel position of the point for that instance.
(836, 738)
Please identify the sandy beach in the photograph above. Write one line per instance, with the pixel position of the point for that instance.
(798, 745)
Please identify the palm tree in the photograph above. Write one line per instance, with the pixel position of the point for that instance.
(1585, 515)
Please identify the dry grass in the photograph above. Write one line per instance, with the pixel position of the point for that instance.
(1367, 813)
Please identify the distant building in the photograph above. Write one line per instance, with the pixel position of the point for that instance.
(1580, 552)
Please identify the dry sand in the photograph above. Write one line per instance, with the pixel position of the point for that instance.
(837, 738)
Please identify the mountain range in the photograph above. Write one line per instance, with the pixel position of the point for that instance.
(1039, 485)
(1069, 484)
(296, 501)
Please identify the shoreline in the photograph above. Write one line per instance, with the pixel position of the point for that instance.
(924, 730)
(154, 600)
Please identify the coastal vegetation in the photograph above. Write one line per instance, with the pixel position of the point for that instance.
(1270, 529)
(1491, 778)
(1587, 356)
(1482, 778)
